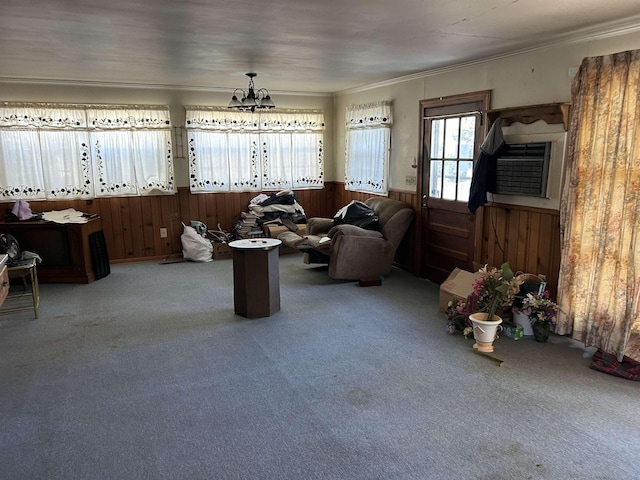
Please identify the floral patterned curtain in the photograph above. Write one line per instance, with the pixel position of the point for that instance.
(599, 284)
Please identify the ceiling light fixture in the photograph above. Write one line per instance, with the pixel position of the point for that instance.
(251, 99)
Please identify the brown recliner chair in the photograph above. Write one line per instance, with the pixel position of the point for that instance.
(354, 253)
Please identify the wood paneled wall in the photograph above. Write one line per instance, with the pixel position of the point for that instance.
(528, 238)
(132, 224)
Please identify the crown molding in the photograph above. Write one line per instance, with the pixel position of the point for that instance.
(603, 31)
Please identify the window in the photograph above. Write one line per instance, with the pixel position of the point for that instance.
(451, 157)
(231, 151)
(53, 151)
(368, 138)
(131, 150)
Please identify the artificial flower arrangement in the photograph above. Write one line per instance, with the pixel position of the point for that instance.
(458, 317)
(539, 308)
(496, 289)
(493, 292)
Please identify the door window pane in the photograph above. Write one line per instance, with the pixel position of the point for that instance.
(465, 171)
(437, 138)
(450, 178)
(435, 179)
(452, 134)
(467, 135)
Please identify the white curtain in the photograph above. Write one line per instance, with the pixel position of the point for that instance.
(131, 149)
(57, 151)
(368, 141)
(44, 152)
(231, 151)
(66, 164)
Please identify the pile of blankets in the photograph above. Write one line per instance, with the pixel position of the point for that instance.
(281, 206)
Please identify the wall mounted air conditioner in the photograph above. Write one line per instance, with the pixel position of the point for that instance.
(523, 169)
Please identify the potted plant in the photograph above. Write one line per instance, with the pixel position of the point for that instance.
(541, 312)
(495, 290)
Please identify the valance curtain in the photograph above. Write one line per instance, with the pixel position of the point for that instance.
(367, 145)
(599, 283)
(55, 151)
(232, 151)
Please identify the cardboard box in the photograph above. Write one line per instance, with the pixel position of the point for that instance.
(510, 331)
(221, 250)
(457, 286)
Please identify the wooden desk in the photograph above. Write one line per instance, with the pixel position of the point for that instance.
(64, 248)
(256, 277)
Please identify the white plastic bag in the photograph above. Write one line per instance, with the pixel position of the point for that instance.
(195, 247)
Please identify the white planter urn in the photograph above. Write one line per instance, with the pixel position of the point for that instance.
(484, 331)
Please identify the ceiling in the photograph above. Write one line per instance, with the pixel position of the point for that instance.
(307, 46)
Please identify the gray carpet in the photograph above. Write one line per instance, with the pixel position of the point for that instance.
(148, 374)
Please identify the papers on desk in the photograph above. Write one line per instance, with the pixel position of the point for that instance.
(69, 215)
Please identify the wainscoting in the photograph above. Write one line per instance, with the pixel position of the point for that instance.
(528, 238)
(132, 224)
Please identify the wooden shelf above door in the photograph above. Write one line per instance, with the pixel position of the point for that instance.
(550, 113)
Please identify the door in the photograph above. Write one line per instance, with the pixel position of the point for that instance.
(452, 131)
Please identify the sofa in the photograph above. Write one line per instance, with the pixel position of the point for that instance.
(353, 252)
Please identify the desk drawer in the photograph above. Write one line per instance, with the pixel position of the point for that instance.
(4, 284)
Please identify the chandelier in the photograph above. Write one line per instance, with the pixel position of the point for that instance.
(251, 99)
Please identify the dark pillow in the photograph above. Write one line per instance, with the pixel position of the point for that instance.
(357, 213)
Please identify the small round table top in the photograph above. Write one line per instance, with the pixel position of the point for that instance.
(255, 243)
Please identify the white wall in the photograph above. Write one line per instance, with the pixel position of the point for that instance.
(537, 77)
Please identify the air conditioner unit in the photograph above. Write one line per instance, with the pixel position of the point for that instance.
(523, 169)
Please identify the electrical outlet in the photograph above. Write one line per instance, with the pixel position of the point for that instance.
(410, 180)
(163, 233)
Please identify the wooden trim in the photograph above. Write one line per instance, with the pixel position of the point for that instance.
(550, 113)
(479, 96)
(507, 206)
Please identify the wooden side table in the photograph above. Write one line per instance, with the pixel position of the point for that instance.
(256, 277)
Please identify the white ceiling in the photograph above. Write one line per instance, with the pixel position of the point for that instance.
(294, 45)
